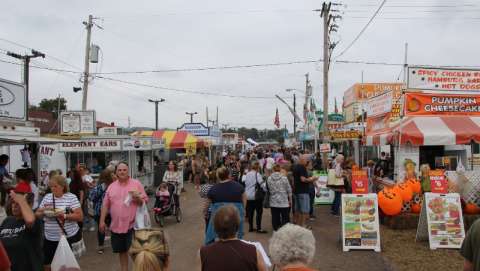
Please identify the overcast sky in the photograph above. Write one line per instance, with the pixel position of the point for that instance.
(176, 34)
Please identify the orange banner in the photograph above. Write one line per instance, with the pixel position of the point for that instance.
(422, 104)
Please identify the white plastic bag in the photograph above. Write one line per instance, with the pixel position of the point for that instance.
(142, 218)
(64, 258)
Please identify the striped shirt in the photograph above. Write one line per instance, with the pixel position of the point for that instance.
(52, 229)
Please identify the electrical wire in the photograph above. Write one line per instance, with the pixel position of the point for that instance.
(362, 31)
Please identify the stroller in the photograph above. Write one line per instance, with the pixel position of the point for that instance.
(171, 208)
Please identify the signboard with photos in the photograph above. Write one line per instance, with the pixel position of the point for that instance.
(360, 222)
(441, 221)
(78, 122)
(424, 104)
(13, 100)
(323, 194)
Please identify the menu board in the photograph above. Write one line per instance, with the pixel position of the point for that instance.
(360, 224)
(444, 222)
(438, 182)
(323, 194)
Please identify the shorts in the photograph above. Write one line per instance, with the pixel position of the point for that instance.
(302, 203)
(121, 242)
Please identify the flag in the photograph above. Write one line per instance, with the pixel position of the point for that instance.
(277, 120)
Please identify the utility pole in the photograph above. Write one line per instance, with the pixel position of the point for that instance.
(129, 123)
(326, 63)
(26, 71)
(217, 116)
(156, 110)
(191, 115)
(208, 120)
(86, 73)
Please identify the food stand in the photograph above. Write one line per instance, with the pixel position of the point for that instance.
(97, 151)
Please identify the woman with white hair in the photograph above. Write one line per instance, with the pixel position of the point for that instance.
(292, 248)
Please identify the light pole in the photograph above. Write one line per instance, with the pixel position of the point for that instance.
(156, 110)
(191, 115)
(294, 111)
(26, 69)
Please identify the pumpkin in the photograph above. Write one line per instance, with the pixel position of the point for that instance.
(390, 202)
(416, 207)
(472, 209)
(405, 191)
(415, 185)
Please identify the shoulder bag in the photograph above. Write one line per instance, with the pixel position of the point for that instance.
(76, 242)
(259, 193)
(333, 181)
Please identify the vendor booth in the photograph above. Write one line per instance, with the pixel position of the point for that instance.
(96, 152)
(175, 142)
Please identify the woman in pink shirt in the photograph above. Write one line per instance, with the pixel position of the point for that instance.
(121, 201)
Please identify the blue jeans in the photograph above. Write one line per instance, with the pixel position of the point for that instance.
(336, 203)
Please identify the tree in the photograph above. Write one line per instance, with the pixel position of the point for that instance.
(51, 105)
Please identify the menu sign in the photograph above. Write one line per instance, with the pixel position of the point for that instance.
(443, 79)
(360, 224)
(345, 134)
(438, 182)
(443, 213)
(359, 182)
(441, 104)
(380, 105)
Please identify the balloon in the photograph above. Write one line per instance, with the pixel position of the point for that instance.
(390, 202)
(415, 186)
(405, 191)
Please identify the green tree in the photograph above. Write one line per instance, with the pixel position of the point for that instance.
(51, 105)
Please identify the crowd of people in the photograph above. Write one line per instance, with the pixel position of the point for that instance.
(234, 188)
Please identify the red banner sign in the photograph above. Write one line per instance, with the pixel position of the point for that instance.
(359, 182)
(441, 104)
(438, 182)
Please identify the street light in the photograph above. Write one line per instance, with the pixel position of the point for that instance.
(191, 115)
(156, 110)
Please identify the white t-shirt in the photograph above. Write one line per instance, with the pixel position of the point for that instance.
(52, 229)
(270, 163)
(250, 181)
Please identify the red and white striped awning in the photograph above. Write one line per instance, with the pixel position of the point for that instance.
(441, 130)
(379, 138)
(425, 131)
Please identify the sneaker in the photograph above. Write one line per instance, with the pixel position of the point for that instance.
(262, 231)
(100, 250)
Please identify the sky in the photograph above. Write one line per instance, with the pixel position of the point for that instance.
(146, 35)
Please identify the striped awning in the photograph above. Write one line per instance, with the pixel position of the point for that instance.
(428, 131)
(173, 139)
(442, 130)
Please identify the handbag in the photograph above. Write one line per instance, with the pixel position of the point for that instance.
(334, 181)
(259, 193)
(266, 200)
(76, 242)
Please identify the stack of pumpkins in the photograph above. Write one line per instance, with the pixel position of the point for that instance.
(401, 197)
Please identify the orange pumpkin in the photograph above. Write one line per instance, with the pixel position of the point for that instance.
(415, 185)
(390, 202)
(472, 209)
(416, 207)
(405, 191)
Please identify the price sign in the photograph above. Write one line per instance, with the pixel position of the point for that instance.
(359, 182)
(438, 182)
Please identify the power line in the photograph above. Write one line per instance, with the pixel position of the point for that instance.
(49, 56)
(184, 90)
(363, 30)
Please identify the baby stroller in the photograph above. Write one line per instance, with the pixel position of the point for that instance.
(171, 208)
